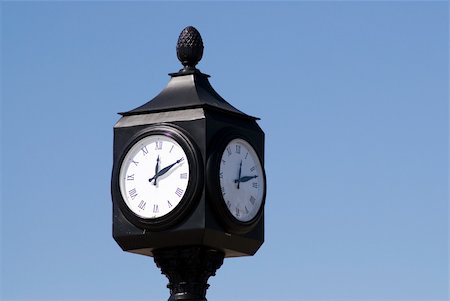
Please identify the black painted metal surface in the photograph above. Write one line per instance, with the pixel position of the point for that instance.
(188, 270)
(191, 248)
(189, 48)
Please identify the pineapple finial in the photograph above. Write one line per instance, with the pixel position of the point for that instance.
(189, 48)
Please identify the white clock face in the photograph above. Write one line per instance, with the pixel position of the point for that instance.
(241, 180)
(154, 176)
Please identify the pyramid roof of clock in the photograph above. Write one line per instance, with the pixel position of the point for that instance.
(187, 90)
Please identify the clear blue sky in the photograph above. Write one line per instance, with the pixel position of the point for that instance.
(353, 98)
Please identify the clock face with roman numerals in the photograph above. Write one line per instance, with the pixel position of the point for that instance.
(242, 180)
(154, 176)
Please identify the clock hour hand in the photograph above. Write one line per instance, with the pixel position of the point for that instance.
(164, 170)
(167, 168)
(244, 179)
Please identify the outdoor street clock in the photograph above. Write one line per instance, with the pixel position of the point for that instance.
(188, 181)
(158, 177)
(237, 179)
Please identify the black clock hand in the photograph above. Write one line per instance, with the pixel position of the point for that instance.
(165, 170)
(239, 176)
(156, 172)
(245, 179)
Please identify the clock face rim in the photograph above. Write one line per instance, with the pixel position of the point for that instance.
(229, 221)
(192, 189)
(127, 164)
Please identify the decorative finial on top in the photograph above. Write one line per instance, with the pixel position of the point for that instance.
(189, 48)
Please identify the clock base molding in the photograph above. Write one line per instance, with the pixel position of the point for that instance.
(188, 270)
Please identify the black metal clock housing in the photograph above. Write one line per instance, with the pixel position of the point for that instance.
(178, 202)
(236, 180)
(202, 122)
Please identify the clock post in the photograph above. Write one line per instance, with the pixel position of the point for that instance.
(188, 182)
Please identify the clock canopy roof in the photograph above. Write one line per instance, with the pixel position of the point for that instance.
(189, 88)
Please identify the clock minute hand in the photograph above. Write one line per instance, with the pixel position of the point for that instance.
(244, 179)
(156, 172)
(239, 176)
